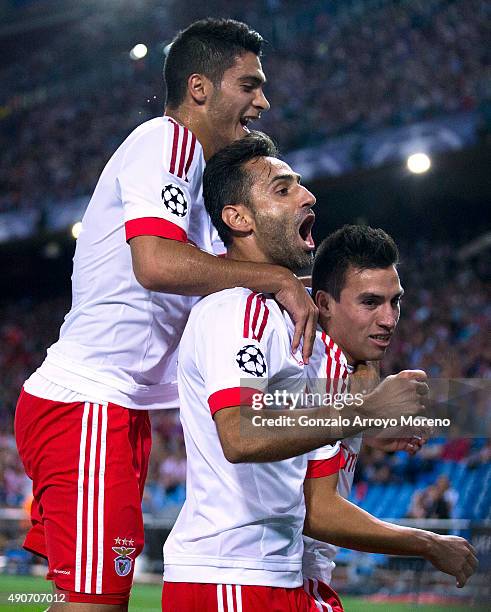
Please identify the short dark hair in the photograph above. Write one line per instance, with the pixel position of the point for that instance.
(226, 182)
(359, 246)
(209, 47)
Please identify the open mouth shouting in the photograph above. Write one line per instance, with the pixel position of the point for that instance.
(305, 232)
(246, 120)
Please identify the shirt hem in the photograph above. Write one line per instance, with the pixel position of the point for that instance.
(164, 397)
(219, 574)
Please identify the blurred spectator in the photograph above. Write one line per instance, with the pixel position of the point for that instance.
(417, 509)
(436, 501)
(14, 484)
(481, 456)
(456, 450)
(172, 470)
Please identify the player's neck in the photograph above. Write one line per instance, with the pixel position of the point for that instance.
(242, 251)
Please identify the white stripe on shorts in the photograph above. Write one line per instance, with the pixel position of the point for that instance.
(85, 525)
(238, 597)
(324, 604)
(100, 508)
(220, 598)
(80, 497)
(90, 499)
(230, 601)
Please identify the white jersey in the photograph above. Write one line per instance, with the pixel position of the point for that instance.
(328, 372)
(119, 341)
(241, 523)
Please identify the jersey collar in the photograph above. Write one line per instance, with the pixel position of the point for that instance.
(333, 347)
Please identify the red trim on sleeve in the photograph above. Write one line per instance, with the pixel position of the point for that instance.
(260, 316)
(318, 468)
(175, 142)
(265, 319)
(191, 154)
(180, 140)
(235, 396)
(183, 153)
(255, 317)
(247, 315)
(154, 226)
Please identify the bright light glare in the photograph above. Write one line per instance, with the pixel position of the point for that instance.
(418, 163)
(76, 229)
(138, 51)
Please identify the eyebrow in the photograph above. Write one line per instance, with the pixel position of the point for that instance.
(368, 294)
(286, 177)
(254, 79)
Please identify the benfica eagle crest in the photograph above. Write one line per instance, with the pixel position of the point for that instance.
(123, 562)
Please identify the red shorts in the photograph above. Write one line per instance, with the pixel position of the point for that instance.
(323, 596)
(195, 597)
(88, 463)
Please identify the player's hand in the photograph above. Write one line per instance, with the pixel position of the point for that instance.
(453, 555)
(390, 445)
(303, 312)
(402, 394)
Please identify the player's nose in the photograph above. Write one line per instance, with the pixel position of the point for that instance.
(308, 198)
(387, 318)
(261, 102)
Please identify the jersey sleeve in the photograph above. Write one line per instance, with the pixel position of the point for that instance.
(325, 461)
(233, 356)
(153, 182)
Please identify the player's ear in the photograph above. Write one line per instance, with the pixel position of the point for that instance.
(238, 218)
(199, 88)
(323, 301)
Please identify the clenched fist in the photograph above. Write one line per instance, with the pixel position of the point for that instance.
(402, 394)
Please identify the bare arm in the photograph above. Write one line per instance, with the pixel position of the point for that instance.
(170, 266)
(332, 518)
(247, 436)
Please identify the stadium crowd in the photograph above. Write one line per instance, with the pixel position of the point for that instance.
(445, 315)
(426, 58)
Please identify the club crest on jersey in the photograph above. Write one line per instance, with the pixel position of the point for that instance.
(123, 562)
(251, 360)
(174, 200)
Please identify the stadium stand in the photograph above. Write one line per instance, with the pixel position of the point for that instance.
(426, 59)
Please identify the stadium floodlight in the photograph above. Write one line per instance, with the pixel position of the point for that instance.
(76, 229)
(138, 51)
(418, 163)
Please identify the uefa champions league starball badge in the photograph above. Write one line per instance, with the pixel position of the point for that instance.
(251, 360)
(174, 200)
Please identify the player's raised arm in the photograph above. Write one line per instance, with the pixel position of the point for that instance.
(332, 518)
(171, 266)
